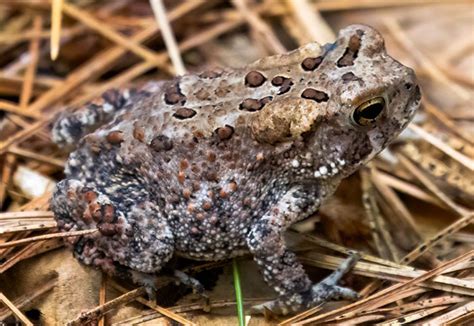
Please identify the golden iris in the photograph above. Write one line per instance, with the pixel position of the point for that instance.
(366, 113)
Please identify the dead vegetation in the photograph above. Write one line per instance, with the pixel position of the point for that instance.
(410, 212)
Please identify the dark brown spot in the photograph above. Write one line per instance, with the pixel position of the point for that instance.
(278, 80)
(251, 104)
(173, 95)
(94, 209)
(139, 133)
(202, 94)
(254, 79)
(196, 185)
(183, 164)
(107, 229)
(161, 143)
(210, 176)
(282, 82)
(184, 113)
(313, 94)
(225, 133)
(198, 134)
(207, 205)
(223, 193)
(211, 156)
(247, 201)
(210, 74)
(115, 137)
(108, 213)
(181, 177)
(187, 193)
(195, 168)
(173, 199)
(351, 52)
(90, 196)
(310, 64)
(349, 76)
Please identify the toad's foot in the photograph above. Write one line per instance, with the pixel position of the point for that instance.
(191, 282)
(319, 293)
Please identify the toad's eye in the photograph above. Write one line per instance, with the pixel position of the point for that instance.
(366, 113)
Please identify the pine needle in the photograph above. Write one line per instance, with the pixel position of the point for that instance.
(56, 17)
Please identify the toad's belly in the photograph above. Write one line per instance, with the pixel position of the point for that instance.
(210, 242)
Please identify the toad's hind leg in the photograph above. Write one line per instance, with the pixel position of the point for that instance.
(133, 235)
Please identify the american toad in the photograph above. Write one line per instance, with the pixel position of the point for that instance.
(215, 165)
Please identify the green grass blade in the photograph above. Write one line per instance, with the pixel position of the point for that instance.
(238, 293)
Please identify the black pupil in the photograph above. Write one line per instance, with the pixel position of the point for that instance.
(372, 111)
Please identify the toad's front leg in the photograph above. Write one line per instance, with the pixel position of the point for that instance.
(280, 268)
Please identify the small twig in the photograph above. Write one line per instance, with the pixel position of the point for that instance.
(25, 215)
(56, 17)
(259, 26)
(452, 315)
(464, 160)
(8, 164)
(99, 311)
(300, 316)
(24, 134)
(128, 43)
(312, 22)
(164, 311)
(35, 156)
(102, 296)
(15, 310)
(395, 202)
(46, 237)
(168, 36)
(430, 185)
(27, 87)
(29, 297)
(440, 236)
(375, 219)
(446, 120)
(15, 109)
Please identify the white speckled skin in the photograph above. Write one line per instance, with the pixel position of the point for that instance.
(210, 166)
